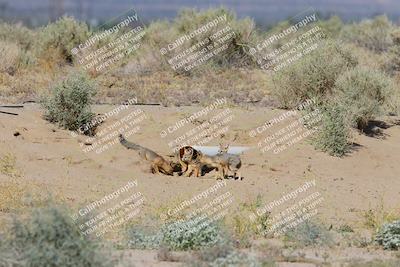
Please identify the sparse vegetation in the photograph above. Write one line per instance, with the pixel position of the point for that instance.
(309, 233)
(225, 255)
(69, 102)
(374, 34)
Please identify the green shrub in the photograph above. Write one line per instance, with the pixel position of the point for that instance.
(363, 93)
(182, 236)
(333, 135)
(141, 239)
(309, 233)
(313, 75)
(48, 238)
(63, 35)
(373, 34)
(69, 102)
(389, 235)
(177, 236)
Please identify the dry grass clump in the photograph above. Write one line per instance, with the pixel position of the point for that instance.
(11, 194)
(10, 56)
(8, 166)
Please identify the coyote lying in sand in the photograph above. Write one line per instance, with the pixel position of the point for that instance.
(158, 163)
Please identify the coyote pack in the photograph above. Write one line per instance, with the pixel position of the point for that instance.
(157, 163)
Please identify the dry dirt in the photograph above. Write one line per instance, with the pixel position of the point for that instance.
(53, 160)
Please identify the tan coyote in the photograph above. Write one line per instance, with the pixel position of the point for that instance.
(232, 162)
(158, 163)
(192, 162)
(188, 158)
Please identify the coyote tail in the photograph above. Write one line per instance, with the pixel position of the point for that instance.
(127, 144)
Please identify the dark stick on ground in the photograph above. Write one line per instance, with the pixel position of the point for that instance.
(9, 113)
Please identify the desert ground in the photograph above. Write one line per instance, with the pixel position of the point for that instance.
(50, 161)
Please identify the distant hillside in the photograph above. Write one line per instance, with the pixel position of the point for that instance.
(263, 11)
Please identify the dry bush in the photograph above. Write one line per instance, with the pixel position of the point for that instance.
(312, 76)
(60, 37)
(373, 34)
(10, 56)
(161, 33)
(363, 93)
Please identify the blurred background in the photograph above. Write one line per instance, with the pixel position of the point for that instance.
(264, 12)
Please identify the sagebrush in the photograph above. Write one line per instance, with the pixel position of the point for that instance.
(69, 102)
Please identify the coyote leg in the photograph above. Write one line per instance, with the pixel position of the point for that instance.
(155, 168)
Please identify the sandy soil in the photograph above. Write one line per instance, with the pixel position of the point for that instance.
(53, 157)
(368, 178)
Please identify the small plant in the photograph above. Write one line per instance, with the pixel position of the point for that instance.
(345, 228)
(334, 132)
(363, 93)
(140, 239)
(388, 235)
(69, 103)
(184, 236)
(177, 236)
(309, 233)
(48, 238)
